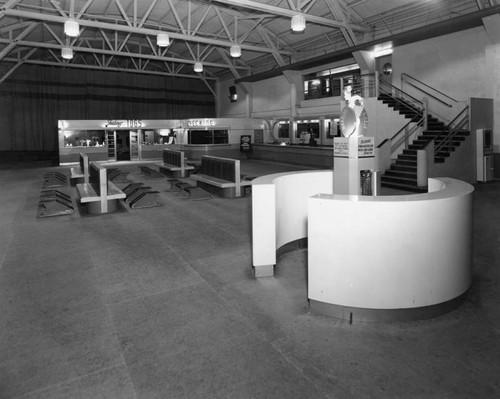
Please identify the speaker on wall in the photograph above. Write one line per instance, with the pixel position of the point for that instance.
(233, 96)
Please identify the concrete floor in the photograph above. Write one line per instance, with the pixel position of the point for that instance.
(162, 303)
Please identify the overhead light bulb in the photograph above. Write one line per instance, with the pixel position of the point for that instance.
(67, 53)
(198, 67)
(71, 28)
(162, 40)
(235, 51)
(298, 23)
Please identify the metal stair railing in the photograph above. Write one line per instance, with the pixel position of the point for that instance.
(456, 126)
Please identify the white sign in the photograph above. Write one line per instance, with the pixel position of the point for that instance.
(201, 122)
(354, 147)
(126, 123)
(341, 147)
(366, 147)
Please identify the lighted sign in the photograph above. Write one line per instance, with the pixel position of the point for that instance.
(201, 122)
(127, 123)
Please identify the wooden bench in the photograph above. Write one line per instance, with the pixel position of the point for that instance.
(101, 194)
(174, 164)
(82, 171)
(220, 175)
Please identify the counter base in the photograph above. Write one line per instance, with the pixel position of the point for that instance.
(384, 315)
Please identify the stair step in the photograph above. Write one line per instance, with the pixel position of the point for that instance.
(401, 173)
(407, 157)
(417, 147)
(399, 180)
(406, 162)
(404, 168)
(404, 187)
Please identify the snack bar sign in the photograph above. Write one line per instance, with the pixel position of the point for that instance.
(201, 123)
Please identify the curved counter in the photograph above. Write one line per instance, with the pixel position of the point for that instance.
(279, 212)
(390, 257)
(369, 258)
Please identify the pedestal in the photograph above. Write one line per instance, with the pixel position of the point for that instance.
(352, 155)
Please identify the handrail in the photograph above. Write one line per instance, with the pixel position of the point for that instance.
(403, 75)
(408, 133)
(453, 129)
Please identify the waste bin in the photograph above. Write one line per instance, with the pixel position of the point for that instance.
(366, 182)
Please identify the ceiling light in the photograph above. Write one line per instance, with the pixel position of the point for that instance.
(162, 40)
(235, 51)
(198, 67)
(67, 53)
(298, 23)
(71, 28)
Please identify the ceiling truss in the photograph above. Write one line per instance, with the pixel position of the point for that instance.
(120, 35)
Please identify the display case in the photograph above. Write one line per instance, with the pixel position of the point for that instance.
(73, 142)
(154, 141)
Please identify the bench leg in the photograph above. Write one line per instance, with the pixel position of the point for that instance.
(97, 208)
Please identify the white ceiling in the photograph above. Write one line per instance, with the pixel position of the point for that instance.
(120, 35)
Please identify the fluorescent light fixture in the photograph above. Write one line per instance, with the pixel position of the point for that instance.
(162, 40)
(67, 53)
(198, 67)
(334, 71)
(71, 28)
(298, 23)
(235, 51)
(382, 49)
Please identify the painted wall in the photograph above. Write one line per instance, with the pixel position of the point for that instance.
(462, 65)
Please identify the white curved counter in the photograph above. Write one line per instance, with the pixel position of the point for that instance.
(279, 212)
(390, 257)
(369, 258)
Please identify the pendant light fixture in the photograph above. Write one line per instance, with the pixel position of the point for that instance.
(298, 23)
(198, 67)
(162, 40)
(235, 51)
(71, 28)
(67, 53)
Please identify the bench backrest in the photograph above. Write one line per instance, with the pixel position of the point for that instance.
(84, 166)
(173, 157)
(98, 178)
(222, 168)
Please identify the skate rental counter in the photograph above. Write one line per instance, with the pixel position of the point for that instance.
(378, 258)
(137, 139)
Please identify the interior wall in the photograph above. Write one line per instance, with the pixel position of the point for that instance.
(462, 65)
(34, 98)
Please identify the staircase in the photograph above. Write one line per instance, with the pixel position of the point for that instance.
(403, 172)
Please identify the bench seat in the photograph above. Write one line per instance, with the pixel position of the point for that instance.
(173, 168)
(87, 192)
(76, 173)
(215, 181)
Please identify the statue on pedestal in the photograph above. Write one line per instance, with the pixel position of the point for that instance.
(353, 118)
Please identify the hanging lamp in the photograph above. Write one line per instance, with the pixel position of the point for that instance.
(298, 23)
(71, 28)
(162, 40)
(235, 51)
(198, 67)
(67, 53)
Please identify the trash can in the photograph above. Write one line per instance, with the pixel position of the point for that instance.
(366, 182)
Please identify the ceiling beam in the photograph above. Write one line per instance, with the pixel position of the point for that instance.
(19, 42)
(112, 69)
(135, 30)
(284, 12)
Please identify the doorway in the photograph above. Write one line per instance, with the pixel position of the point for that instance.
(122, 145)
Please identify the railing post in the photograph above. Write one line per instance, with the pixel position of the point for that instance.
(425, 101)
(376, 84)
(422, 168)
(407, 137)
